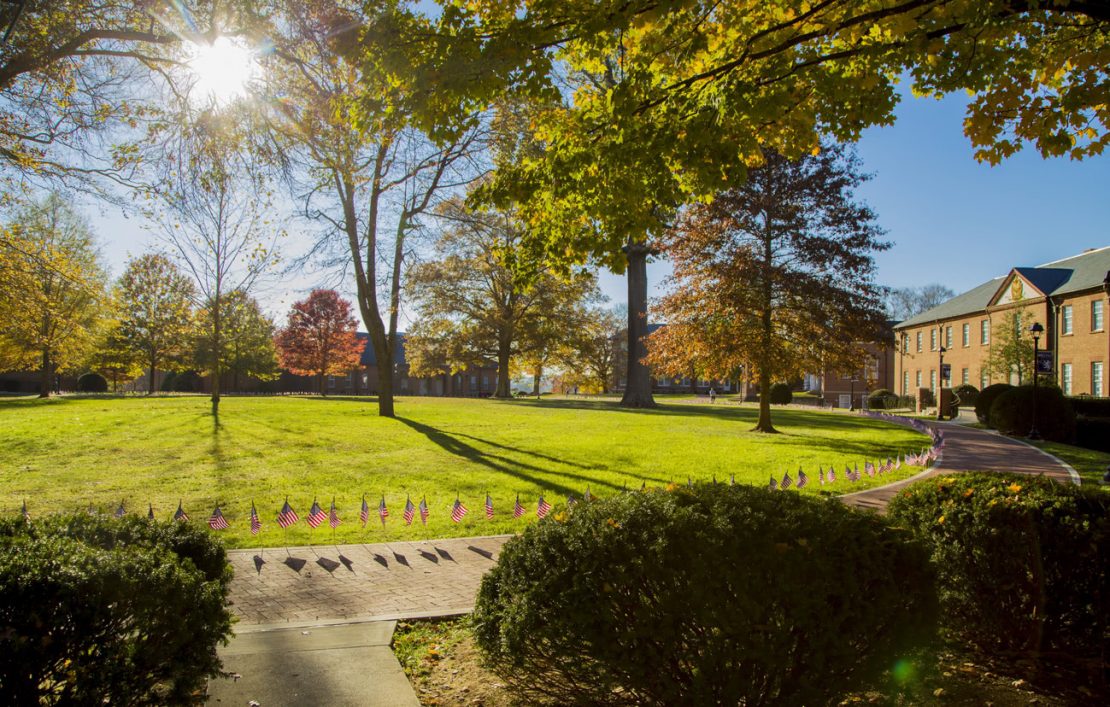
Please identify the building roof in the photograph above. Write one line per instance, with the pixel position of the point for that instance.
(368, 357)
(1060, 277)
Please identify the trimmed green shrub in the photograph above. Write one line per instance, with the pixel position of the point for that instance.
(1090, 407)
(882, 399)
(1012, 413)
(986, 398)
(781, 394)
(98, 610)
(1021, 560)
(187, 382)
(92, 383)
(703, 595)
(967, 393)
(1092, 433)
(169, 381)
(928, 399)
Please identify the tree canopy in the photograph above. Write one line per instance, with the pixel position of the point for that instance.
(320, 337)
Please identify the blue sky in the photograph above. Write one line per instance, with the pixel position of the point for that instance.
(952, 220)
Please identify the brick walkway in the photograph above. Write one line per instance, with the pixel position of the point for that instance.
(330, 584)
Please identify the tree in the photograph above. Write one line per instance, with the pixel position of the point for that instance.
(1011, 349)
(52, 289)
(212, 208)
(595, 348)
(246, 341)
(478, 300)
(359, 165)
(112, 355)
(775, 275)
(905, 302)
(320, 337)
(156, 311)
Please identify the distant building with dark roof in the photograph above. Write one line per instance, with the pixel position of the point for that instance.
(1067, 297)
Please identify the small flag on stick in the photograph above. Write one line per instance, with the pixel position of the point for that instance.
(333, 515)
(587, 497)
(410, 511)
(383, 512)
(364, 512)
(518, 510)
(773, 484)
(802, 478)
(287, 516)
(180, 514)
(216, 521)
(542, 507)
(458, 510)
(315, 515)
(120, 511)
(786, 481)
(489, 507)
(150, 511)
(256, 524)
(570, 500)
(26, 513)
(424, 513)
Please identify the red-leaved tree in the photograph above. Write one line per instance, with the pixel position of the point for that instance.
(319, 337)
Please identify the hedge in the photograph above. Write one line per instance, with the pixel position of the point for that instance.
(881, 399)
(98, 610)
(1090, 407)
(703, 595)
(1012, 413)
(781, 394)
(1022, 560)
(967, 393)
(986, 398)
(92, 383)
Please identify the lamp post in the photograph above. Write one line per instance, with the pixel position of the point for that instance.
(1036, 330)
(940, 384)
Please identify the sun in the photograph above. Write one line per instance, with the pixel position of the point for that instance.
(224, 71)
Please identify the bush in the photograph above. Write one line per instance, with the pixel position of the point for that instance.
(98, 610)
(928, 399)
(169, 381)
(1012, 413)
(781, 394)
(187, 382)
(92, 383)
(967, 393)
(986, 398)
(882, 399)
(1092, 433)
(708, 595)
(1090, 407)
(1022, 560)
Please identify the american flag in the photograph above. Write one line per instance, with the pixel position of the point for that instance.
(832, 474)
(120, 511)
(643, 486)
(518, 510)
(570, 500)
(150, 511)
(489, 507)
(256, 524)
(410, 510)
(773, 485)
(216, 521)
(587, 497)
(424, 510)
(855, 472)
(821, 474)
(383, 512)
(458, 510)
(26, 513)
(315, 515)
(364, 512)
(786, 481)
(180, 513)
(732, 479)
(802, 479)
(898, 461)
(869, 469)
(333, 516)
(689, 483)
(542, 507)
(288, 516)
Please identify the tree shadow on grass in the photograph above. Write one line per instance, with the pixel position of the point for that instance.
(453, 445)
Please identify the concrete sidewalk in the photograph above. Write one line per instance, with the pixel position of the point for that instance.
(348, 665)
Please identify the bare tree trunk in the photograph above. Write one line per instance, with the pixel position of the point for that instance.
(45, 376)
(153, 362)
(693, 381)
(637, 391)
(385, 388)
(504, 353)
(216, 323)
(537, 378)
(764, 423)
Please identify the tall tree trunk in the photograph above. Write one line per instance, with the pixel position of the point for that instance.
(537, 378)
(693, 381)
(45, 376)
(216, 354)
(637, 391)
(504, 353)
(765, 335)
(385, 386)
(448, 384)
(764, 423)
(153, 362)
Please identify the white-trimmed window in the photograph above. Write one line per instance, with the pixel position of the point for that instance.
(1066, 319)
(918, 342)
(947, 337)
(965, 376)
(1065, 378)
(933, 380)
(905, 382)
(932, 339)
(966, 333)
(1096, 378)
(919, 379)
(985, 332)
(1096, 315)
(984, 379)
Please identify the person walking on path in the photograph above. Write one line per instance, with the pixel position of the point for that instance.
(712, 395)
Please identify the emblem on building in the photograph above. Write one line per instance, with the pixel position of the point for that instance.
(1017, 289)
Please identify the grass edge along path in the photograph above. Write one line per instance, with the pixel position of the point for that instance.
(75, 454)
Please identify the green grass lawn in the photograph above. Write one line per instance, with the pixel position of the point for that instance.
(1090, 464)
(73, 453)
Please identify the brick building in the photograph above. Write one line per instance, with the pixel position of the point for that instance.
(1067, 297)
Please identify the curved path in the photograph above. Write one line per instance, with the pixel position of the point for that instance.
(971, 449)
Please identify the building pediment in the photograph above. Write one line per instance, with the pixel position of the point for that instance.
(1015, 288)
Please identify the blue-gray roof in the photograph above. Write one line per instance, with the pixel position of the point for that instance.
(368, 357)
(1079, 272)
